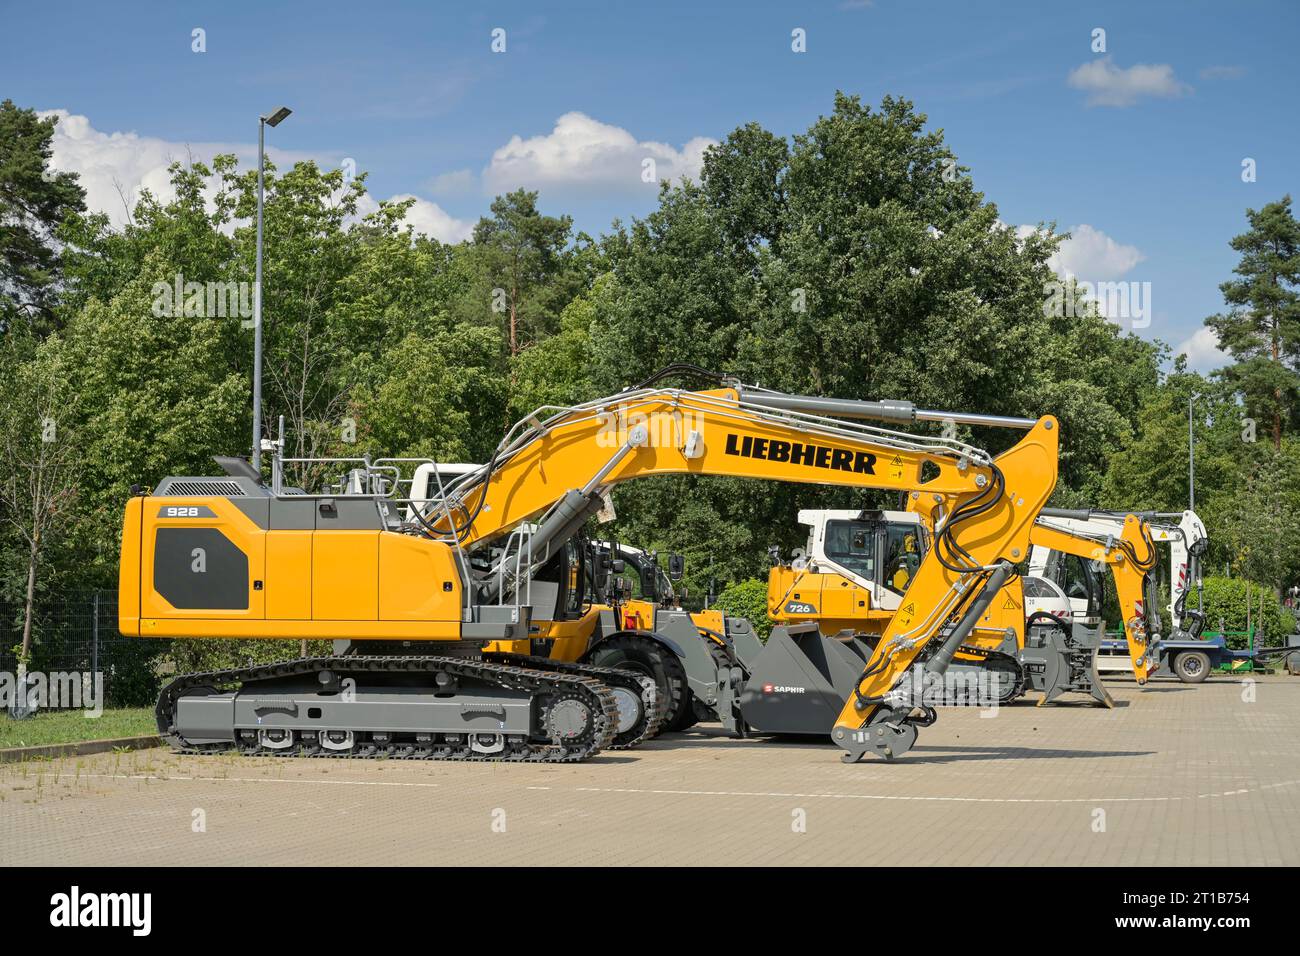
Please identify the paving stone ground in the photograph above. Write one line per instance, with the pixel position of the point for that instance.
(1174, 774)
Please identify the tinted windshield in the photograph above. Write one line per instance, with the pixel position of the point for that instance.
(852, 544)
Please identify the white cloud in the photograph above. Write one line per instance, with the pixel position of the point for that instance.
(1109, 85)
(115, 168)
(1097, 261)
(432, 220)
(585, 155)
(1090, 255)
(1202, 351)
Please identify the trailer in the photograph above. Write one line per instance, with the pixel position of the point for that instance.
(1192, 660)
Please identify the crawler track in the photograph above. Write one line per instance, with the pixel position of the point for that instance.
(550, 687)
(654, 706)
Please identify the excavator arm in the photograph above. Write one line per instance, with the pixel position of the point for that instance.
(1130, 557)
(554, 473)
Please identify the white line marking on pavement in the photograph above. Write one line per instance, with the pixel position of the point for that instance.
(143, 776)
(697, 793)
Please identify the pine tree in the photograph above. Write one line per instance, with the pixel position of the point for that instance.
(34, 201)
(1262, 328)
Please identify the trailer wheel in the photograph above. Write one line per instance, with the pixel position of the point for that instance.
(1192, 667)
(641, 655)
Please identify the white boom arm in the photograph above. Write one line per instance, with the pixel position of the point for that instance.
(1186, 537)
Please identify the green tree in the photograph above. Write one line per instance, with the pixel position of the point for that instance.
(748, 599)
(1239, 604)
(35, 202)
(522, 253)
(1148, 470)
(311, 251)
(439, 396)
(1261, 527)
(1262, 328)
(556, 370)
(858, 261)
(40, 461)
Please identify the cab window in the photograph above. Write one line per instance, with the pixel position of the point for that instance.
(902, 556)
(852, 544)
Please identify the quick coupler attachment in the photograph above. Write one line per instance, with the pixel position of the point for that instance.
(891, 731)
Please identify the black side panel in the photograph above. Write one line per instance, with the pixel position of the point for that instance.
(197, 568)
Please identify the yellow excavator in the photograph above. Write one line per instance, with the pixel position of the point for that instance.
(853, 575)
(413, 605)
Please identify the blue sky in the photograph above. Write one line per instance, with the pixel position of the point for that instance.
(1140, 153)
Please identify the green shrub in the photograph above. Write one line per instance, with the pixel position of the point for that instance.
(747, 599)
(131, 671)
(192, 655)
(1225, 599)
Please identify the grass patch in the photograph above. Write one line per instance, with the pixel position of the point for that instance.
(69, 726)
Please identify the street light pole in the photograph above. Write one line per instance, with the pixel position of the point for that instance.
(1191, 456)
(273, 120)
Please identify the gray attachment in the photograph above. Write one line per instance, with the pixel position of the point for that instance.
(800, 681)
(207, 486)
(1077, 514)
(257, 510)
(887, 733)
(608, 623)
(939, 661)
(310, 514)
(237, 467)
(1056, 664)
(675, 629)
(497, 623)
(970, 418)
(744, 641)
(731, 683)
(290, 515)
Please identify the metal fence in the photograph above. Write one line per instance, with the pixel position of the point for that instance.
(76, 633)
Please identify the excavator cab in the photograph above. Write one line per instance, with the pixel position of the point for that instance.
(853, 572)
(1079, 579)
